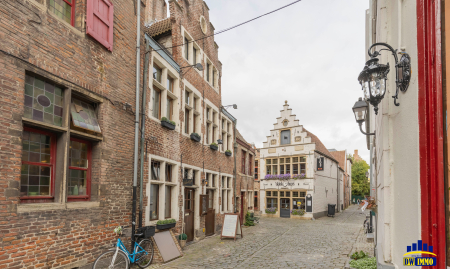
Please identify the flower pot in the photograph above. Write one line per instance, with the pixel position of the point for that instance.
(213, 147)
(195, 138)
(168, 125)
(165, 226)
(182, 243)
(227, 153)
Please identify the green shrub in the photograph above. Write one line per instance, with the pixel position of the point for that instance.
(298, 212)
(214, 144)
(167, 120)
(166, 221)
(229, 151)
(359, 255)
(248, 220)
(182, 237)
(365, 263)
(271, 210)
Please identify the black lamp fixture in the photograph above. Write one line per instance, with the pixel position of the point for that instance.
(198, 66)
(233, 105)
(374, 75)
(360, 110)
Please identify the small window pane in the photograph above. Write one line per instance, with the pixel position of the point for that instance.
(281, 160)
(155, 167)
(302, 159)
(288, 194)
(295, 159)
(281, 193)
(295, 194)
(274, 161)
(157, 73)
(274, 193)
(269, 161)
(168, 200)
(288, 160)
(154, 193)
(268, 193)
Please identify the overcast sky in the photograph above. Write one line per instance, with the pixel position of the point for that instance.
(310, 54)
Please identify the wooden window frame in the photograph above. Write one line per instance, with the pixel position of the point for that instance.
(72, 12)
(186, 48)
(250, 161)
(155, 89)
(168, 172)
(169, 108)
(186, 120)
(52, 165)
(208, 66)
(87, 197)
(243, 162)
(165, 201)
(156, 66)
(151, 170)
(170, 83)
(157, 202)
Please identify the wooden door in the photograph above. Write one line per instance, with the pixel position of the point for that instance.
(189, 202)
(210, 215)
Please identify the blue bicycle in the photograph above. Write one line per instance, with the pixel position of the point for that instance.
(120, 257)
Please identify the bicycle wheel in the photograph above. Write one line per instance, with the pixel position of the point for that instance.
(105, 260)
(143, 260)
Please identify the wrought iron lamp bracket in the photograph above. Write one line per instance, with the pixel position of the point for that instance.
(404, 64)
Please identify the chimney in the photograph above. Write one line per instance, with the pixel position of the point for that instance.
(356, 153)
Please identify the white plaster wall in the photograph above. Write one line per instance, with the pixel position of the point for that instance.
(397, 139)
(325, 180)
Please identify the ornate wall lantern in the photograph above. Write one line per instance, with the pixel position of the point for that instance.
(374, 75)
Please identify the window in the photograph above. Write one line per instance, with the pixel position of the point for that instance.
(155, 167)
(186, 121)
(154, 198)
(195, 56)
(168, 172)
(99, 20)
(285, 137)
(208, 126)
(38, 164)
(186, 48)
(243, 162)
(213, 78)
(250, 162)
(298, 202)
(208, 67)
(272, 199)
(207, 113)
(290, 165)
(211, 199)
(156, 103)
(170, 83)
(63, 9)
(187, 98)
(43, 100)
(169, 108)
(208, 179)
(256, 170)
(157, 72)
(78, 186)
(168, 202)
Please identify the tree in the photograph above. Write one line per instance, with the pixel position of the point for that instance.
(360, 184)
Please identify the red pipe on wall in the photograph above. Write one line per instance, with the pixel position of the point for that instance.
(431, 137)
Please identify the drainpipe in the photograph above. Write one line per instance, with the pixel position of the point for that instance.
(144, 92)
(235, 178)
(337, 177)
(136, 123)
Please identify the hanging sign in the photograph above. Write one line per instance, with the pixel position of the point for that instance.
(320, 162)
(231, 226)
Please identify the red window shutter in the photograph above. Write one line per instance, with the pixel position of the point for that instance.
(100, 21)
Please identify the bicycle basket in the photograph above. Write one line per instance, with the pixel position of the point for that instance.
(148, 231)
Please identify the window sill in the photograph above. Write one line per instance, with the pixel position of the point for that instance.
(196, 112)
(192, 187)
(23, 208)
(43, 125)
(159, 85)
(172, 95)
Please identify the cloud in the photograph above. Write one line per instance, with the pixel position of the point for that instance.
(309, 54)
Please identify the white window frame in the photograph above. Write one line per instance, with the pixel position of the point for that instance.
(214, 85)
(193, 111)
(213, 120)
(167, 70)
(162, 190)
(228, 191)
(192, 44)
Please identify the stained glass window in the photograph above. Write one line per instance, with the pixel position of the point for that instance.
(83, 116)
(78, 168)
(43, 101)
(36, 164)
(62, 9)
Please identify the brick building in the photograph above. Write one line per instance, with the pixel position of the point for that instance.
(68, 83)
(345, 164)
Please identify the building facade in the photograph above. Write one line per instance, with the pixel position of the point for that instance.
(297, 172)
(67, 126)
(408, 176)
(346, 164)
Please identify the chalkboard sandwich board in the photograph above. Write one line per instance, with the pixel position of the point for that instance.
(231, 224)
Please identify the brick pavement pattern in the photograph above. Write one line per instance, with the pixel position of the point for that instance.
(282, 243)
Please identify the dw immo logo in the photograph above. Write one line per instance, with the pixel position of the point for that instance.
(416, 253)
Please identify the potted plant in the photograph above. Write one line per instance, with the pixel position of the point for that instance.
(271, 210)
(165, 224)
(182, 238)
(214, 146)
(166, 123)
(298, 212)
(196, 137)
(228, 152)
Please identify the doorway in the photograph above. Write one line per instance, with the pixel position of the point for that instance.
(285, 209)
(189, 202)
(210, 214)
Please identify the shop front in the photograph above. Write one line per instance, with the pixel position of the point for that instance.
(286, 203)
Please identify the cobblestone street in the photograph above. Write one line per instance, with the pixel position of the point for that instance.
(281, 243)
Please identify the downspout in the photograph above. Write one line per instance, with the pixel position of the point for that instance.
(144, 101)
(235, 151)
(136, 123)
(337, 177)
